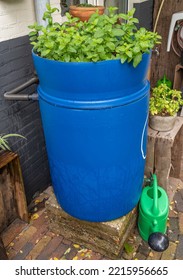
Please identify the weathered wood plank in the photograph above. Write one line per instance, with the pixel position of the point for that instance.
(177, 156)
(170, 135)
(166, 61)
(164, 150)
(2, 212)
(149, 167)
(6, 157)
(13, 202)
(3, 255)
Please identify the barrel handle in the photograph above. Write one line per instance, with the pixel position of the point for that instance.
(142, 138)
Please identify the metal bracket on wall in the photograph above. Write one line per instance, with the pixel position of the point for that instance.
(14, 94)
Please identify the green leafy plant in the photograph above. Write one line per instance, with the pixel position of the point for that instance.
(85, 5)
(4, 140)
(103, 37)
(165, 101)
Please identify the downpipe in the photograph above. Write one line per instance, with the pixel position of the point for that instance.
(14, 94)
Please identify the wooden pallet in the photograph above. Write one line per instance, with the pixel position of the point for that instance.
(12, 196)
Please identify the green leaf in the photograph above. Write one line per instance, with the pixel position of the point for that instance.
(100, 49)
(111, 46)
(49, 44)
(32, 33)
(129, 54)
(99, 33)
(137, 59)
(45, 52)
(117, 32)
(123, 58)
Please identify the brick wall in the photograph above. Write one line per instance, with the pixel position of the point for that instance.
(22, 117)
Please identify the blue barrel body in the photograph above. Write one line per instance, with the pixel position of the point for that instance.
(95, 124)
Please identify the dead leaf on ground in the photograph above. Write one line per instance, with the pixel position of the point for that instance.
(34, 217)
(67, 251)
(128, 248)
(76, 246)
(151, 254)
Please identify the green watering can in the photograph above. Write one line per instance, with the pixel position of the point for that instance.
(153, 214)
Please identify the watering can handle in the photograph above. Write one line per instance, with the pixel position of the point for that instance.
(155, 195)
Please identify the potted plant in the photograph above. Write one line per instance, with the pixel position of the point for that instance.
(84, 11)
(93, 96)
(164, 105)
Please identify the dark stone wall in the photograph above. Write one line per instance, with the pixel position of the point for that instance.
(23, 117)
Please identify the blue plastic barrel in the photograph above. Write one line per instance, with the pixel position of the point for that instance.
(95, 124)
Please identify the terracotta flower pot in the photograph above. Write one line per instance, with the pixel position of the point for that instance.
(84, 13)
(162, 123)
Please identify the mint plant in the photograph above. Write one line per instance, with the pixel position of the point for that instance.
(103, 37)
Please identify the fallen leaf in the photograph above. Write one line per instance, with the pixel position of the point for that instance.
(34, 217)
(21, 252)
(76, 246)
(75, 258)
(63, 258)
(177, 241)
(55, 259)
(67, 251)
(151, 254)
(128, 248)
(37, 201)
(83, 251)
(12, 244)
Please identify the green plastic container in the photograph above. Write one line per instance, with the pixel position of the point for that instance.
(153, 210)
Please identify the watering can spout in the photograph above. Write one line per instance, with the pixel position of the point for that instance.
(155, 209)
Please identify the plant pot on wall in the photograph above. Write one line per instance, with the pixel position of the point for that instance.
(84, 13)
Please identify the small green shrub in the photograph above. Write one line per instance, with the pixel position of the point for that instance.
(103, 37)
(165, 101)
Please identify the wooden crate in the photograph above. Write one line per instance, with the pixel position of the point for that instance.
(165, 153)
(12, 196)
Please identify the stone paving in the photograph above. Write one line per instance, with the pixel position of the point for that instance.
(36, 241)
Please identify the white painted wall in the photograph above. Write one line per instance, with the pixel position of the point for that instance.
(16, 15)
